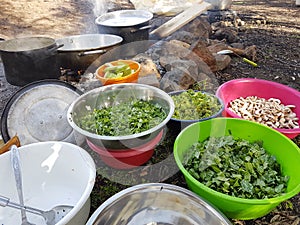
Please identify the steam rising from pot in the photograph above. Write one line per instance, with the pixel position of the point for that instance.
(100, 7)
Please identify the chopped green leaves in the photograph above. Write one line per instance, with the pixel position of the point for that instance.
(125, 118)
(236, 167)
(194, 105)
(120, 70)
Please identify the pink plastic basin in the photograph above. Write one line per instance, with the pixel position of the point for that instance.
(245, 87)
(127, 159)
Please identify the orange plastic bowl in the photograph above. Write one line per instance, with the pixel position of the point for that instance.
(131, 78)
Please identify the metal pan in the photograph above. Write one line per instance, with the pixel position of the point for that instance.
(79, 51)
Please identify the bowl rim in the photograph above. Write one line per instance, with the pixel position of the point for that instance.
(130, 61)
(202, 119)
(273, 200)
(115, 40)
(157, 186)
(125, 137)
(247, 80)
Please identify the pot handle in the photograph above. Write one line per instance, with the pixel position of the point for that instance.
(54, 48)
(100, 51)
(52, 51)
(140, 28)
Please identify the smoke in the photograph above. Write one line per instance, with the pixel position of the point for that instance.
(100, 7)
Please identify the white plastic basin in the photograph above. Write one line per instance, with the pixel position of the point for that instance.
(53, 173)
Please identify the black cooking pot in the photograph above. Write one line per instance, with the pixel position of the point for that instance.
(131, 25)
(80, 51)
(29, 59)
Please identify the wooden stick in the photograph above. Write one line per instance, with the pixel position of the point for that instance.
(13, 141)
(181, 19)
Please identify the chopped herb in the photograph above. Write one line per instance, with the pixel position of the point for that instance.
(126, 118)
(194, 105)
(236, 167)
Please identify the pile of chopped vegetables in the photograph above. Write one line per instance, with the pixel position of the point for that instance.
(236, 167)
(126, 118)
(194, 105)
(122, 69)
(271, 112)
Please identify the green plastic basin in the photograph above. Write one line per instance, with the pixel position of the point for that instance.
(286, 152)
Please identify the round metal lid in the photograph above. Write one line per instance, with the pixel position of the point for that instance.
(38, 112)
(124, 18)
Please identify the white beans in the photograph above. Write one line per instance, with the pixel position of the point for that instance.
(270, 112)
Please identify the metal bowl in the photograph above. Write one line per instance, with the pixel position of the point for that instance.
(178, 125)
(114, 94)
(156, 203)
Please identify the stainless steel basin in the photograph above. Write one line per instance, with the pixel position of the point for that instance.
(156, 204)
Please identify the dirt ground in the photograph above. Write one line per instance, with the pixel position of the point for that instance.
(272, 25)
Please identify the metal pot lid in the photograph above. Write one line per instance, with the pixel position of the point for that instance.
(124, 18)
(88, 42)
(38, 112)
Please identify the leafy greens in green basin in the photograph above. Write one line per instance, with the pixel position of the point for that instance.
(236, 167)
(194, 105)
(125, 118)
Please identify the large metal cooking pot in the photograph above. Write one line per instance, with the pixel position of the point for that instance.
(29, 59)
(131, 25)
(79, 51)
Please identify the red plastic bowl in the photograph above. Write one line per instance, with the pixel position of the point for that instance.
(127, 159)
(245, 87)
